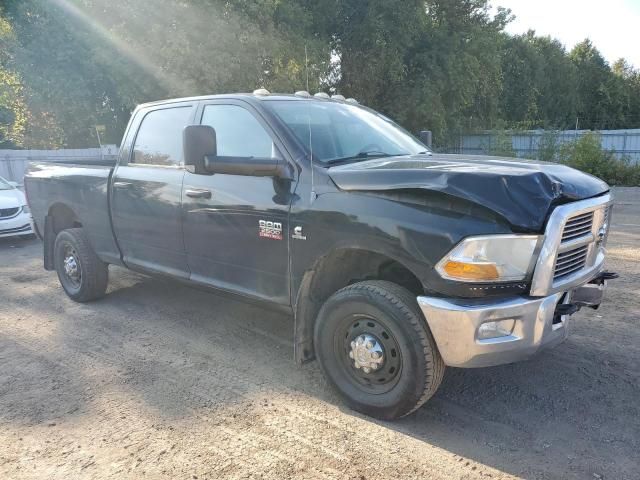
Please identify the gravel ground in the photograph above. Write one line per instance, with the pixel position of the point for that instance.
(158, 380)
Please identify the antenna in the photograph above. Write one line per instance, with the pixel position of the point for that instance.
(306, 71)
(313, 189)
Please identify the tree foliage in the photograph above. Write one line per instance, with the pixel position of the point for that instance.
(446, 65)
(13, 111)
(539, 83)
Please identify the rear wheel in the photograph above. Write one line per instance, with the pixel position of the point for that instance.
(376, 349)
(82, 274)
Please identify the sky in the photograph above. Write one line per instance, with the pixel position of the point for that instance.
(612, 25)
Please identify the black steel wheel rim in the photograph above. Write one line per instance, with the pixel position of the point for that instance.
(384, 378)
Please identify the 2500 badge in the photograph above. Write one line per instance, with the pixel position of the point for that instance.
(268, 229)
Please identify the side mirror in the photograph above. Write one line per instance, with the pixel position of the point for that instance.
(248, 166)
(198, 143)
(200, 157)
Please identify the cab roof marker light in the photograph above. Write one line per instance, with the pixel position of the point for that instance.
(352, 100)
(322, 95)
(261, 92)
(303, 93)
(338, 97)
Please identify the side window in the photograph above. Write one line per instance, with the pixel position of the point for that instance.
(159, 138)
(238, 133)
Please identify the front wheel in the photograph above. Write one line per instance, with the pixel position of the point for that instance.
(376, 349)
(82, 274)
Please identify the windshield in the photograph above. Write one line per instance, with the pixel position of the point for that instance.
(342, 132)
(4, 185)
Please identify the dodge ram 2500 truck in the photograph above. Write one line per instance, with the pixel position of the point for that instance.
(393, 261)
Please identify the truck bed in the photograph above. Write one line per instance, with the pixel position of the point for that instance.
(49, 186)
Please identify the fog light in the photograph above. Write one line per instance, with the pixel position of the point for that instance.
(501, 328)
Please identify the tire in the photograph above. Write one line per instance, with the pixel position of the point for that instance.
(88, 281)
(408, 369)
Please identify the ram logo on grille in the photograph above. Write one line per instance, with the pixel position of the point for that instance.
(602, 231)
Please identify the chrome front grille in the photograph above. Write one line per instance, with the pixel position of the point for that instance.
(577, 227)
(578, 242)
(9, 212)
(570, 261)
(607, 215)
(573, 248)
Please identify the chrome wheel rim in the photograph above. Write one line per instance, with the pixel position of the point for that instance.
(71, 266)
(367, 353)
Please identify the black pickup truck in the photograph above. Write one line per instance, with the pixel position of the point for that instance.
(394, 261)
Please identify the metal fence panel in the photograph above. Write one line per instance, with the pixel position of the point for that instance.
(623, 143)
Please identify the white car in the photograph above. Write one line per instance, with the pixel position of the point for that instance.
(15, 217)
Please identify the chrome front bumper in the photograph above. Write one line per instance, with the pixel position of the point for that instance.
(455, 325)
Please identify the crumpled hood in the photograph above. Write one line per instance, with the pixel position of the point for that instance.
(11, 198)
(521, 191)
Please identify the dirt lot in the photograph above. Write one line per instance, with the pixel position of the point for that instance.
(158, 380)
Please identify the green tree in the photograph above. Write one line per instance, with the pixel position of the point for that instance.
(626, 83)
(445, 65)
(593, 86)
(13, 111)
(428, 64)
(539, 83)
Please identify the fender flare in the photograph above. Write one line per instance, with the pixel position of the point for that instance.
(307, 304)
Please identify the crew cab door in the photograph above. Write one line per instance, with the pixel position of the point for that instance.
(146, 191)
(235, 226)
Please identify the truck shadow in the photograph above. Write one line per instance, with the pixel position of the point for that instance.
(531, 418)
(17, 242)
(182, 351)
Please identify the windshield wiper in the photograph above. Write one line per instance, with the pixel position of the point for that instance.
(363, 155)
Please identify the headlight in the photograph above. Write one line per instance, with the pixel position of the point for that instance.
(493, 258)
(25, 209)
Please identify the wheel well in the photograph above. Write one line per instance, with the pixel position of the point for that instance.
(59, 217)
(63, 217)
(333, 272)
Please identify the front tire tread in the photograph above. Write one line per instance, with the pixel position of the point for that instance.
(404, 303)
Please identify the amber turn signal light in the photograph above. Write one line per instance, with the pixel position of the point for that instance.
(471, 271)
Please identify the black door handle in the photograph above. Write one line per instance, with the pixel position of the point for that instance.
(198, 193)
